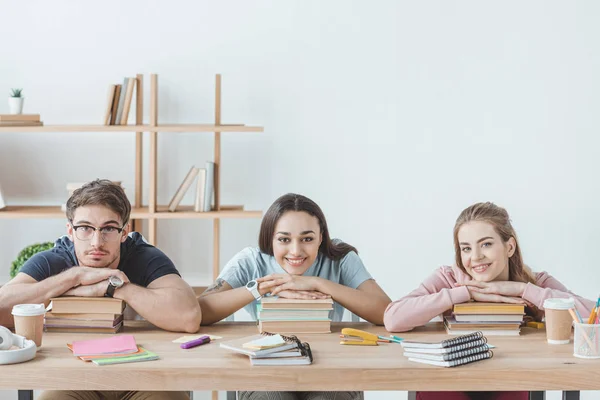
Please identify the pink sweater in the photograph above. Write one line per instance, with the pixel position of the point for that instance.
(440, 292)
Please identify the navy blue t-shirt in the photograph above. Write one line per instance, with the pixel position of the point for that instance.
(140, 261)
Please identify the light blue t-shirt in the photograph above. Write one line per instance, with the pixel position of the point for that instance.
(251, 263)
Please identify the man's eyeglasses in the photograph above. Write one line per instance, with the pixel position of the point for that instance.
(108, 233)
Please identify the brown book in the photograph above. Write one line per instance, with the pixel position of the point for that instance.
(281, 303)
(116, 329)
(81, 323)
(88, 316)
(109, 104)
(127, 102)
(20, 117)
(21, 123)
(453, 324)
(103, 305)
(488, 308)
(294, 327)
(115, 105)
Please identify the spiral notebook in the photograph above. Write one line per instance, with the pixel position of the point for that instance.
(448, 356)
(451, 352)
(459, 361)
(291, 352)
(454, 342)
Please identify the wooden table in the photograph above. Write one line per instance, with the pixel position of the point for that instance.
(526, 362)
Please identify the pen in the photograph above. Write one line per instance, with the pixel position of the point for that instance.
(579, 316)
(196, 342)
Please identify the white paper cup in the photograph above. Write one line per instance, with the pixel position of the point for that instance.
(558, 320)
(29, 321)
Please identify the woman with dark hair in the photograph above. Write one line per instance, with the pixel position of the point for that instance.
(296, 259)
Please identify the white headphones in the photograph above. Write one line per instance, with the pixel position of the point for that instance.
(25, 352)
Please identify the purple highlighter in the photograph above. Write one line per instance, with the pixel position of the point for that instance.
(196, 342)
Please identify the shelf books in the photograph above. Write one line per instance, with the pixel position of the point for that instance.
(20, 120)
(85, 314)
(450, 352)
(271, 349)
(118, 102)
(204, 188)
(277, 314)
(493, 319)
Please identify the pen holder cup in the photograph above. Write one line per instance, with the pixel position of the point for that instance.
(586, 340)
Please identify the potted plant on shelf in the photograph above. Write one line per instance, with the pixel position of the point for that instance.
(15, 101)
(26, 254)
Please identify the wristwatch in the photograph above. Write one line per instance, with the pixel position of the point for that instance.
(252, 287)
(114, 282)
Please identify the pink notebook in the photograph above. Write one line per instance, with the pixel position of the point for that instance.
(117, 344)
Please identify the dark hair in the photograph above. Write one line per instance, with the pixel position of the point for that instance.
(297, 202)
(100, 192)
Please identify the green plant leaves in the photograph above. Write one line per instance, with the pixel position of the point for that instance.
(26, 254)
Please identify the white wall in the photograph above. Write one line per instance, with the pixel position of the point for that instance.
(392, 115)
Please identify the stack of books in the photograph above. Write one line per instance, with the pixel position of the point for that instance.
(449, 353)
(85, 314)
(271, 349)
(114, 350)
(493, 319)
(277, 314)
(20, 120)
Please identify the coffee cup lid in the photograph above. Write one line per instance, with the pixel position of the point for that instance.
(28, 310)
(559, 303)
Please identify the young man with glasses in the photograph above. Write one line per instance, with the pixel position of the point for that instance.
(100, 257)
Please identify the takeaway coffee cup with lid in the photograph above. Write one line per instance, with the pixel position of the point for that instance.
(558, 320)
(29, 321)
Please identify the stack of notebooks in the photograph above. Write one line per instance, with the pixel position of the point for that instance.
(114, 350)
(85, 314)
(277, 314)
(493, 319)
(20, 120)
(451, 352)
(272, 349)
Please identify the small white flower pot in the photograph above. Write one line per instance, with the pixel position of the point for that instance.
(15, 105)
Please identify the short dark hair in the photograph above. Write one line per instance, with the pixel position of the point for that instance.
(297, 202)
(100, 192)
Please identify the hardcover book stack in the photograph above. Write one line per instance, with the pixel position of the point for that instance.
(17, 120)
(277, 314)
(271, 349)
(449, 353)
(85, 314)
(493, 319)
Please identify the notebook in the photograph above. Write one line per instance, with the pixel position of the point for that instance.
(114, 344)
(454, 342)
(448, 356)
(304, 359)
(456, 362)
(285, 357)
(237, 345)
(145, 356)
(286, 353)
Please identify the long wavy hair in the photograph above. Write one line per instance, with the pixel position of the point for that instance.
(499, 219)
(297, 202)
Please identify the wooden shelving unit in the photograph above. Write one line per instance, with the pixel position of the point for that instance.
(151, 212)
